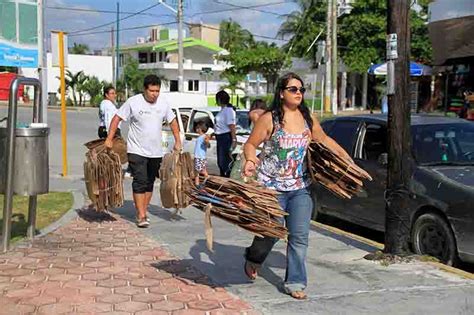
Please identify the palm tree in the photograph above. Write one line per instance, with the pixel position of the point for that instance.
(79, 49)
(303, 25)
(75, 82)
(233, 36)
(234, 79)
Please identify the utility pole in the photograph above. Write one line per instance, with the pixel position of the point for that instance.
(328, 94)
(112, 45)
(117, 49)
(180, 47)
(334, 64)
(397, 219)
(42, 61)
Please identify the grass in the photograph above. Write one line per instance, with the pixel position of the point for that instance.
(50, 208)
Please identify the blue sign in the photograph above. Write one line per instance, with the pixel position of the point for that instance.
(11, 56)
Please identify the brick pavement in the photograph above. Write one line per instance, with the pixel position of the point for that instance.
(101, 264)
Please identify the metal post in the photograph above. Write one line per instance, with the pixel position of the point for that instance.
(63, 103)
(365, 84)
(117, 51)
(314, 90)
(32, 203)
(180, 47)
(11, 139)
(334, 62)
(327, 93)
(42, 61)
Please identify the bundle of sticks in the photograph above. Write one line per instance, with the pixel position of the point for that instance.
(104, 179)
(250, 206)
(341, 177)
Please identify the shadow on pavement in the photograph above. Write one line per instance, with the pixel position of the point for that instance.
(127, 211)
(91, 215)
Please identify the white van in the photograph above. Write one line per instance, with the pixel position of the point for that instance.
(187, 120)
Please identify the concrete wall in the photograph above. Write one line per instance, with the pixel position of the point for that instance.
(207, 33)
(99, 66)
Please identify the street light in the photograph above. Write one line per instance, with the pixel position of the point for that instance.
(206, 72)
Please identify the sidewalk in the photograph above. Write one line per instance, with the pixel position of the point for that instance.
(101, 264)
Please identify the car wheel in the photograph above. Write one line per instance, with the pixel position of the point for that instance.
(431, 235)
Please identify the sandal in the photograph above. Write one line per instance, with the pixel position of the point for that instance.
(250, 270)
(298, 295)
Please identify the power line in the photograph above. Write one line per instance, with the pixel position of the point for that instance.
(123, 29)
(250, 8)
(115, 21)
(236, 9)
(106, 11)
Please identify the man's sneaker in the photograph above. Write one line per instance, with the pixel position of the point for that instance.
(147, 219)
(143, 223)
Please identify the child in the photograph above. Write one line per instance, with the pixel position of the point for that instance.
(200, 150)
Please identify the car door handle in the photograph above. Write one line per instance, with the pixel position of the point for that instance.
(189, 138)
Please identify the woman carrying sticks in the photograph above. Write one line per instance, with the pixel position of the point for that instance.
(286, 130)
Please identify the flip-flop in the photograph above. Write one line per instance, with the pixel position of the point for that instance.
(251, 276)
(298, 295)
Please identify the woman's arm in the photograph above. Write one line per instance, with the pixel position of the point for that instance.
(319, 135)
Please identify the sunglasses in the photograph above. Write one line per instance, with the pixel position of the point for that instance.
(294, 89)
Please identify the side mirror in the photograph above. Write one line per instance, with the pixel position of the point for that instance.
(383, 159)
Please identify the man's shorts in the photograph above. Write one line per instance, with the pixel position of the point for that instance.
(200, 165)
(144, 171)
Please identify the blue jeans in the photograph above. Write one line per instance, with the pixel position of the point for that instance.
(299, 206)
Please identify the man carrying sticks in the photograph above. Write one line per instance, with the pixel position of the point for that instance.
(146, 113)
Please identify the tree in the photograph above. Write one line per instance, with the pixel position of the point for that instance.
(233, 36)
(362, 35)
(93, 87)
(79, 49)
(75, 82)
(234, 79)
(133, 77)
(303, 26)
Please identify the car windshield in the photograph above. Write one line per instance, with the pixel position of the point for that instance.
(243, 122)
(444, 144)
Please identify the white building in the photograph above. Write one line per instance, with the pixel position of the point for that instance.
(99, 66)
(202, 69)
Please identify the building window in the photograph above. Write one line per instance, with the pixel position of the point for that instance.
(193, 85)
(121, 60)
(142, 57)
(153, 57)
(162, 56)
(173, 85)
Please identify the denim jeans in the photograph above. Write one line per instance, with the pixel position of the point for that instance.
(224, 158)
(299, 205)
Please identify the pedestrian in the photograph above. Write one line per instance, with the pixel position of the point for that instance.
(257, 109)
(200, 151)
(226, 138)
(286, 131)
(107, 110)
(146, 113)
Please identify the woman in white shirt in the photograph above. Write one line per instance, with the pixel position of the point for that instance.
(107, 110)
(224, 128)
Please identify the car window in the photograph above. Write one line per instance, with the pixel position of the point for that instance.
(345, 133)
(166, 126)
(375, 142)
(444, 143)
(243, 122)
(327, 126)
(198, 117)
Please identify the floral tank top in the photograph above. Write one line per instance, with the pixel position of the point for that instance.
(283, 160)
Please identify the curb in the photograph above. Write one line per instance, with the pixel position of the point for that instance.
(71, 214)
(380, 246)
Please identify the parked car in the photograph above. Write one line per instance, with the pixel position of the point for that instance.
(188, 119)
(441, 189)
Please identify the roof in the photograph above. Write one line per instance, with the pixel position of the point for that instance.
(216, 108)
(172, 45)
(138, 46)
(416, 119)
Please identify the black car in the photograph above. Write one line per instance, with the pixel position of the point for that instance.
(441, 189)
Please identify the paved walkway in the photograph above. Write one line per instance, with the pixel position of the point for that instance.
(102, 264)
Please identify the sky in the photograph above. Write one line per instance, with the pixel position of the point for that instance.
(81, 18)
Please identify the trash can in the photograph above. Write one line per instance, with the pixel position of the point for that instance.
(31, 168)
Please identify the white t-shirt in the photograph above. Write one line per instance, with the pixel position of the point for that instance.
(224, 118)
(146, 120)
(107, 111)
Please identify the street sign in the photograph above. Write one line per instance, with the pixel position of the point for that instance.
(392, 46)
(55, 49)
(18, 33)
